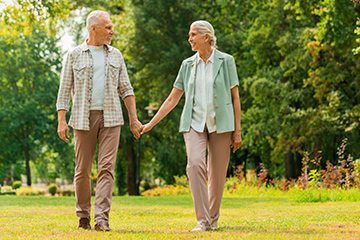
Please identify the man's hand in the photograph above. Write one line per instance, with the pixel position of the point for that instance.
(236, 140)
(136, 127)
(63, 131)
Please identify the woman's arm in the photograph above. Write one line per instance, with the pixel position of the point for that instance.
(170, 102)
(236, 140)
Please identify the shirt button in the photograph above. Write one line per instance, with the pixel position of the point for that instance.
(215, 96)
(214, 86)
(216, 106)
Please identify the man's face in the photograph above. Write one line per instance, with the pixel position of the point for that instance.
(103, 30)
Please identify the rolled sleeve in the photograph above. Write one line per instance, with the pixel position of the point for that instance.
(66, 85)
(234, 80)
(179, 81)
(125, 89)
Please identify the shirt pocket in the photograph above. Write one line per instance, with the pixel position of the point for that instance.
(114, 71)
(79, 72)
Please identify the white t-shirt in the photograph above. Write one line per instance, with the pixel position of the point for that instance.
(203, 108)
(98, 90)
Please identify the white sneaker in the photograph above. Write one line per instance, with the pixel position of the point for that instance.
(200, 228)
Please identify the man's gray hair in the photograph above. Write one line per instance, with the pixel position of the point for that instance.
(205, 27)
(93, 17)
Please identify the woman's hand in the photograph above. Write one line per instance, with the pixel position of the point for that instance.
(147, 127)
(236, 140)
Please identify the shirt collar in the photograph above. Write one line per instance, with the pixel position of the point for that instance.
(211, 58)
(84, 47)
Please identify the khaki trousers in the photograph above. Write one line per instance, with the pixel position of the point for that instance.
(85, 148)
(208, 159)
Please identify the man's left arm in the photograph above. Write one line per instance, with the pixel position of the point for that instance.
(126, 92)
(135, 124)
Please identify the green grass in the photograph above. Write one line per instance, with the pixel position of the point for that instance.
(252, 217)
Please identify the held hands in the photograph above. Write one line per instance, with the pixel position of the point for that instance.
(138, 129)
(236, 140)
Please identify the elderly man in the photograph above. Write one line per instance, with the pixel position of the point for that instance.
(95, 75)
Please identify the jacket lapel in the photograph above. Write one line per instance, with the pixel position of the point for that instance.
(193, 66)
(218, 60)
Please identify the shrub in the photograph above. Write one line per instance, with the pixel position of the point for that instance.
(68, 192)
(29, 191)
(16, 184)
(53, 188)
(7, 190)
(167, 190)
(181, 181)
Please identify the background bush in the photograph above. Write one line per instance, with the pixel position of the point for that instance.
(16, 184)
(29, 191)
(53, 189)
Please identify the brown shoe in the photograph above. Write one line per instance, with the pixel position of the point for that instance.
(102, 226)
(84, 223)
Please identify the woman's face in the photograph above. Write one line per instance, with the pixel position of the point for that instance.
(197, 40)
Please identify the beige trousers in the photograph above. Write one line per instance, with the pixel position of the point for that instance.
(208, 159)
(85, 148)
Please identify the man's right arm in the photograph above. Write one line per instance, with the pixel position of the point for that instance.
(63, 129)
(62, 105)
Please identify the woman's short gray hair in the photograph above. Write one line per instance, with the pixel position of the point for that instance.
(93, 17)
(205, 27)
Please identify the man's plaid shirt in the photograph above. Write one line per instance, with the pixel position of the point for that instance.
(77, 80)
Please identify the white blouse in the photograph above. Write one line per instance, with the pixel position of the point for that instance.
(203, 109)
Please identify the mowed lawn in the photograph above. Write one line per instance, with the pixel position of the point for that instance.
(35, 217)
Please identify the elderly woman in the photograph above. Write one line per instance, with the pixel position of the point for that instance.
(210, 120)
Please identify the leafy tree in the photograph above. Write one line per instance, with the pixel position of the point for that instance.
(30, 62)
(28, 93)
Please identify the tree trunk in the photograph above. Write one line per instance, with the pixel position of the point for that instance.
(298, 165)
(27, 164)
(289, 165)
(257, 161)
(293, 165)
(317, 145)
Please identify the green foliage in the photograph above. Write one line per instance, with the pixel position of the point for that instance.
(16, 184)
(53, 189)
(314, 178)
(156, 49)
(24, 15)
(30, 63)
(181, 181)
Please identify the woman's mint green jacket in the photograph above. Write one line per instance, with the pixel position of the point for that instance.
(225, 77)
